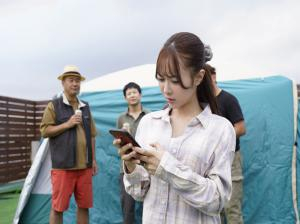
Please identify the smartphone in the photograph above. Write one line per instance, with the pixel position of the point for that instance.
(125, 139)
(124, 136)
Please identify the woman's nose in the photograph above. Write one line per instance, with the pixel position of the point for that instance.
(167, 89)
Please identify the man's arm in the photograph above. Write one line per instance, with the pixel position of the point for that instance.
(54, 130)
(240, 128)
(48, 125)
(93, 148)
(95, 165)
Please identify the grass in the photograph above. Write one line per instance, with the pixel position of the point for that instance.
(8, 205)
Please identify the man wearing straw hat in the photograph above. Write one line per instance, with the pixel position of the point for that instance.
(68, 123)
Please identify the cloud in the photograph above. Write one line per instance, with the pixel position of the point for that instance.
(39, 38)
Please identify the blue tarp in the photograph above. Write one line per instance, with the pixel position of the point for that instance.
(298, 158)
(267, 105)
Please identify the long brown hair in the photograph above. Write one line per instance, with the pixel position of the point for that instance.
(187, 48)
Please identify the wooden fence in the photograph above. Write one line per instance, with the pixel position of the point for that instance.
(19, 126)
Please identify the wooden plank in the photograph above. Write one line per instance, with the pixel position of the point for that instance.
(21, 163)
(17, 138)
(14, 170)
(6, 179)
(5, 169)
(15, 177)
(17, 126)
(22, 131)
(18, 135)
(11, 158)
(9, 144)
(24, 151)
(14, 145)
(42, 102)
(12, 113)
(16, 100)
(16, 119)
(10, 106)
(40, 109)
(9, 161)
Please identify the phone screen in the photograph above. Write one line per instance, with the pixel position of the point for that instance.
(125, 139)
(124, 136)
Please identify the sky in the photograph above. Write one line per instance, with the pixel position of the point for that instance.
(38, 38)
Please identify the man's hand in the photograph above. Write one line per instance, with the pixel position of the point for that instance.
(74, 120)
(95, 168)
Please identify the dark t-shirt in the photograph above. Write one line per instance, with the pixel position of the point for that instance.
(229, 108)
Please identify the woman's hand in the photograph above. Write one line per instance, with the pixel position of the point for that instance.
(127, 155)
(150, 157)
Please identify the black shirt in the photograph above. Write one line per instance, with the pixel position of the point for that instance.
(229, 108)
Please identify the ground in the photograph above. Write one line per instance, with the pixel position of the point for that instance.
(8, 205)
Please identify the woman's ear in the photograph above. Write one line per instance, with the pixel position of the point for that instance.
(199, 77)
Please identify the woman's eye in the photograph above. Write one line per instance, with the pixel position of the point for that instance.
(160, 78)
(174, 80)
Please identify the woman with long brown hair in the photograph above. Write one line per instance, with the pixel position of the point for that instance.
(187, 148)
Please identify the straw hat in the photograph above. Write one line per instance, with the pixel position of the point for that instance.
(71, 70)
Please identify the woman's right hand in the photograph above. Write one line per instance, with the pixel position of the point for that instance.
(127, 155)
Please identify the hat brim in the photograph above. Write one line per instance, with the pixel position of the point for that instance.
(62, 76)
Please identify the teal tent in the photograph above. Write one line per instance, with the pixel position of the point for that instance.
(269, 165)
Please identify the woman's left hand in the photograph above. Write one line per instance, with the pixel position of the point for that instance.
(150, 157)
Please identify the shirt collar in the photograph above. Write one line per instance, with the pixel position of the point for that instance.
(66, 101)
(162, 114)
(205, 116)
(202, 118)
(143, 111)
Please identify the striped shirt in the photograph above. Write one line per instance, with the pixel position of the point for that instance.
(193, 180)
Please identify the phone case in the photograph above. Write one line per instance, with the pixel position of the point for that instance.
(125, 139)
(124, 136)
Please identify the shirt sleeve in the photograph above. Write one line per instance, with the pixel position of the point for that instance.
(93, 127)
(49, 118)
(137, 183)
(206, 193)
(234, 111)
(119, 122)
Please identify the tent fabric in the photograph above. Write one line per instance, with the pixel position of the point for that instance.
(298, 159)
(34, 176)
(267, 105)
(267, 150)
(294, 158)
(144, 75)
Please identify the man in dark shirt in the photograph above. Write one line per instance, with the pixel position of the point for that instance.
(129, 121)
(229, 108)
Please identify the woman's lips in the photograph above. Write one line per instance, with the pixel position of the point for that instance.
(170, 100)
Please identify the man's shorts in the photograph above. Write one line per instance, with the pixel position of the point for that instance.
(67, 182)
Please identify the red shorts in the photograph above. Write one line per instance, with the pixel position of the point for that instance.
(67, 182)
